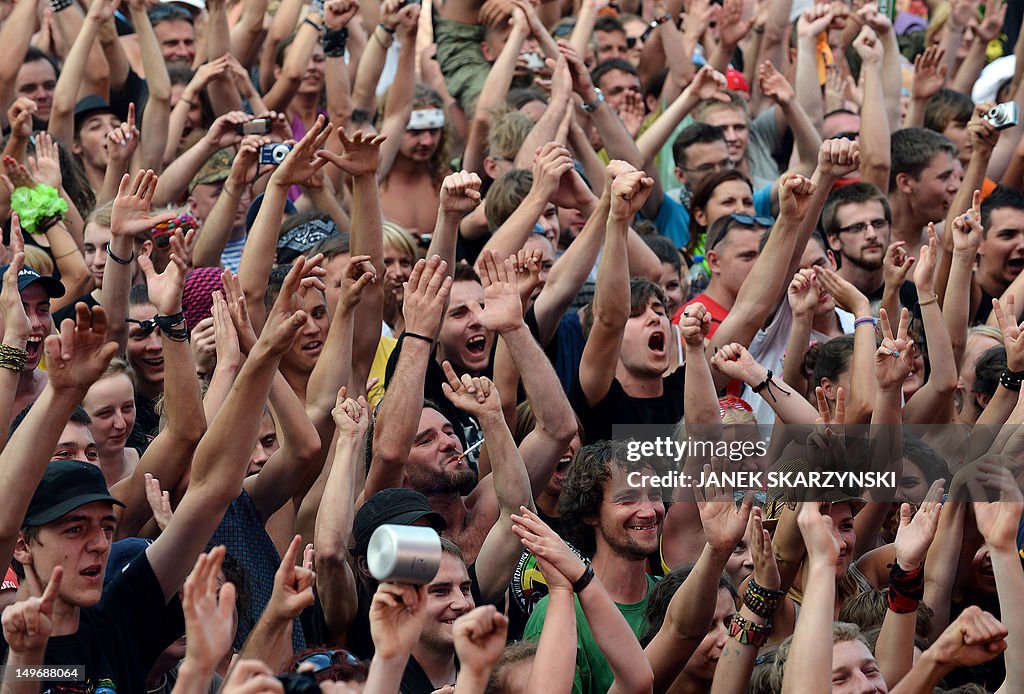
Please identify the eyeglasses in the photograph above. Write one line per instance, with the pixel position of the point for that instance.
(861, 227)
(325, 659)
(721, 228)
(712, 167)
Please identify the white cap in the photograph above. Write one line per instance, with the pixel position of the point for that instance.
(992, 78)
(193, 6)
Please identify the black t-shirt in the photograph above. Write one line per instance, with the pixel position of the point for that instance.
(618, 408)
(69, 311)
(147, 424)
(120, 639)
(415, 681)
(908, 297)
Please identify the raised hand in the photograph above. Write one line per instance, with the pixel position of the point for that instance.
(359, 274)
(998, 520)
(129, 215)
(915, 536)
(479, 637)
(225, 336)
(708, 84)
(209, 609)
(245, 166)
(159, 502)
(992, 23)
(983, 135)
(930, 71)
(476, 395)
(352, 417)
(397, 614)
(460, 193)
(878, 22)
(966, 228)
(795, 193)
(819, 532)
(545, 544)
(361, 156)
(19, 115)
(815, 19)
(45, 164)
(896, 264)
(293, 586)
(123, 140)
(894, 360)
(304, 160)
(724, 523)
(732, 28)
(632, 113)
(287, 317)
(251, 677)
(426, 294)
(629, 193)
(527, 266)
(15, 327)
(338, 13)
(826, 445)
(733, 360)
(766, 569)
(803, 293)
(924, 273)
(975, 637)
(774, 84)
(845, 294)
(165, 288)
(79, 354)
(27, 624)
(581, 82)
(868, 46)
(239, 313)
(224, 131)
(838, 157)
(694, 325)
(552, 162)
(503, 309)
(1013, 334)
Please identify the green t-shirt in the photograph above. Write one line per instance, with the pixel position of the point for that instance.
(593, 675)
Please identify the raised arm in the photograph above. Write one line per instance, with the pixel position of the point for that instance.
(426, 294)
(875, 158)
(168, 456)
(75, 359)
(157, 115)
(929, 78)
(16, 35)
(336, 583)
(216, 477)
(809, 666)
(629, 188)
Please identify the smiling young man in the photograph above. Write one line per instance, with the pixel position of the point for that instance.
(923, 179)
(619, 526)
(36, 291)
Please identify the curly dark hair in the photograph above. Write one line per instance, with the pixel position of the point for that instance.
(584, 487)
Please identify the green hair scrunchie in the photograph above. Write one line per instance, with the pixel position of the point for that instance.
(38, 208)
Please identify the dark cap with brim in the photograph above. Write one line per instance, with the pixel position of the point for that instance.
(66, 485)
(396, 506)
(28, 276)
(89, 106)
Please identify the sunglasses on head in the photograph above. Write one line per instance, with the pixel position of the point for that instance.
(146, 327)
(325, 659)
(725, 225)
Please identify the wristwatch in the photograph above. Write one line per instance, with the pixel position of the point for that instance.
(592, 106)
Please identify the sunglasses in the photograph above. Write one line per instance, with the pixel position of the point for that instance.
(725, 225)
(146, 327)
(325, 659)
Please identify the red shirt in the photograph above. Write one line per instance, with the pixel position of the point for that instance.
(717, 311)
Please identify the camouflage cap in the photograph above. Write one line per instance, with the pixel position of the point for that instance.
(215, 170)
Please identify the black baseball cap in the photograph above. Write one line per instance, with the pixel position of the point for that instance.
(88, 106)
(53, 286)
(66, 485)
(395, 506)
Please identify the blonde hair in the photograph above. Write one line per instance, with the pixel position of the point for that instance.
(119, 367)
(101, 215)
(398, 236)
(39, 260)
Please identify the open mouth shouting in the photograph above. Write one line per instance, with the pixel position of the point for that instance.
(313, 347)
(656, 343)
(34, 347)
(476, 346)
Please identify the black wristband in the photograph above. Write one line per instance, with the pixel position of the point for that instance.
(417, 336)
(1011, 380)
(167, 323)
(334, 42)
(584, 580)
(116, 259)
(58, 5)
(386, 28)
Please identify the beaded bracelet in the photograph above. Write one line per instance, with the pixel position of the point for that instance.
(12, 358)
(58, 5)
(749, 633)
(867, 320)
(762, 601)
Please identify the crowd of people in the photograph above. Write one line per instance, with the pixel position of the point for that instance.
(278, 274)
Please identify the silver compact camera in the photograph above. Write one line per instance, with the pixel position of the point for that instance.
(404, 554)
(1002, 116)
(274, 153)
